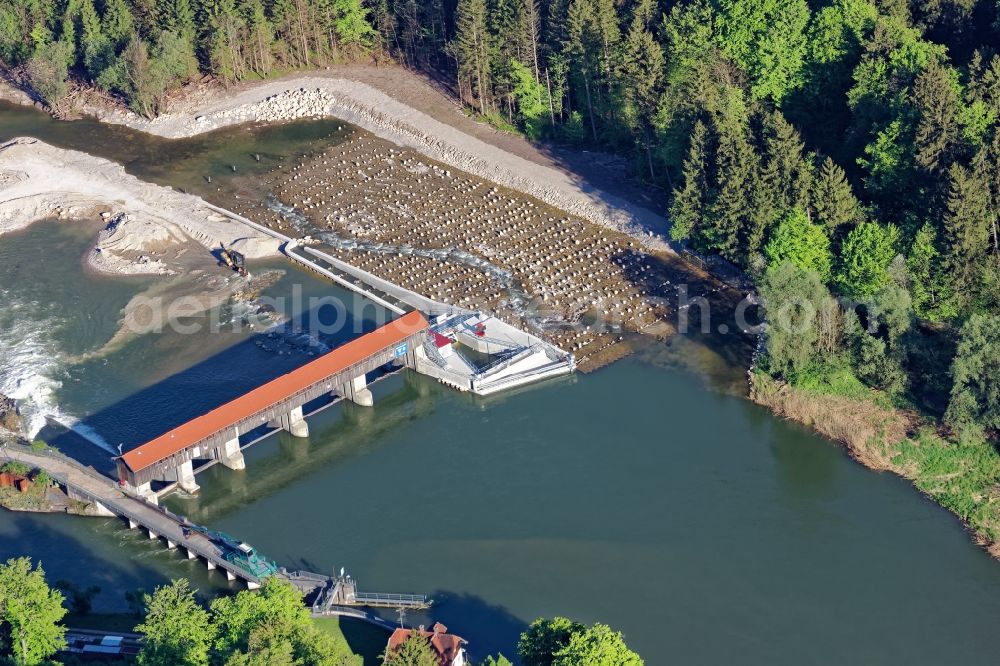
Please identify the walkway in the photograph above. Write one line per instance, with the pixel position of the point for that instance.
(91, 486)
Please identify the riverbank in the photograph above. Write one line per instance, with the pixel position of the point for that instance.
(960, 476)
(149, 228)
(438, 130)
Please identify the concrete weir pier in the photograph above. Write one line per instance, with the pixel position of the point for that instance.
(443, 350)
(215, 436)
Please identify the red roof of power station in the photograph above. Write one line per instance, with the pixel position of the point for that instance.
(274, 391)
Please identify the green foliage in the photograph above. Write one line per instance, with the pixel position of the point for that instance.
(561, 642)
(801, 319)
(597, 646)
(144, 75)
(176, 630)
(15, 467)
(142, 50)
(832, 377)
(544, 638)
(930, 297)
(975, 396)
(887, 160)
(350, 21)
(532, 100)
(30, 614)
(865, 257)
(876, 364)
(415, 651)
(803, 244)
(767, 39)
(48, 72)
(271, 625)
(961, 476)
(498, 660)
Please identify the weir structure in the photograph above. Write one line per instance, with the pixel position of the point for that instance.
(215, 436)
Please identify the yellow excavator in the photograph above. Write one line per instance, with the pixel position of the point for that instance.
(234, 260)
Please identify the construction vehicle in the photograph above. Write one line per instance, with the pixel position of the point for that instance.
(234, 260)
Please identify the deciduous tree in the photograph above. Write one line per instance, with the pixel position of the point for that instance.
(802, 243)
(865, 258)
(176, 630)
(30, 613)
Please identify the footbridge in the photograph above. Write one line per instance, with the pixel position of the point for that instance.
(215, 436)
(106, 499)
(237, 560)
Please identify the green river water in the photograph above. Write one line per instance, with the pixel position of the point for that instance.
(643, 495)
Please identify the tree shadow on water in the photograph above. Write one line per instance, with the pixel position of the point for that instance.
(489, 628)
(56, 542)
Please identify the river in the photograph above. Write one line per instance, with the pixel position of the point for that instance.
(643, 495)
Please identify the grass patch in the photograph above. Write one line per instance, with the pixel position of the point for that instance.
(499, 122)
(35, 499)
(963, 477)
(835, 378)
(363, 639)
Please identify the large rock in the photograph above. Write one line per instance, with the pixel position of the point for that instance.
(10, 418)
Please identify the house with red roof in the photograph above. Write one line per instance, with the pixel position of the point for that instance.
(448, 648)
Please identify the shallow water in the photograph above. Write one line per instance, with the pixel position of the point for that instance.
(641, 496)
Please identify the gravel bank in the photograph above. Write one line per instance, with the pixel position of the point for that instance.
(393, 120)
(149, 226)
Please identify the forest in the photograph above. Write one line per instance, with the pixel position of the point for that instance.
(843, 154)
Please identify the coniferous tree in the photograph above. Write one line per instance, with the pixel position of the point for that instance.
(833, 202)
(786, 171)
(582, 50)
(118, 22)
(975, 396)
(472, 41)
(937, 132)
(689, 203)
(641, 75)
(966, 231)
(736, 168)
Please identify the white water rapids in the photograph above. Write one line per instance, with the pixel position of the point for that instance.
(30, 369)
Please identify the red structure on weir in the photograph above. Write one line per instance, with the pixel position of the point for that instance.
(215, 435)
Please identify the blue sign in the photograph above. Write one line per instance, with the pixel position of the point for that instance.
(401, 350)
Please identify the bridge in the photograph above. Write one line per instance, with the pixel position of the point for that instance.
(215, 436)
(218, 551)
(107, 499)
